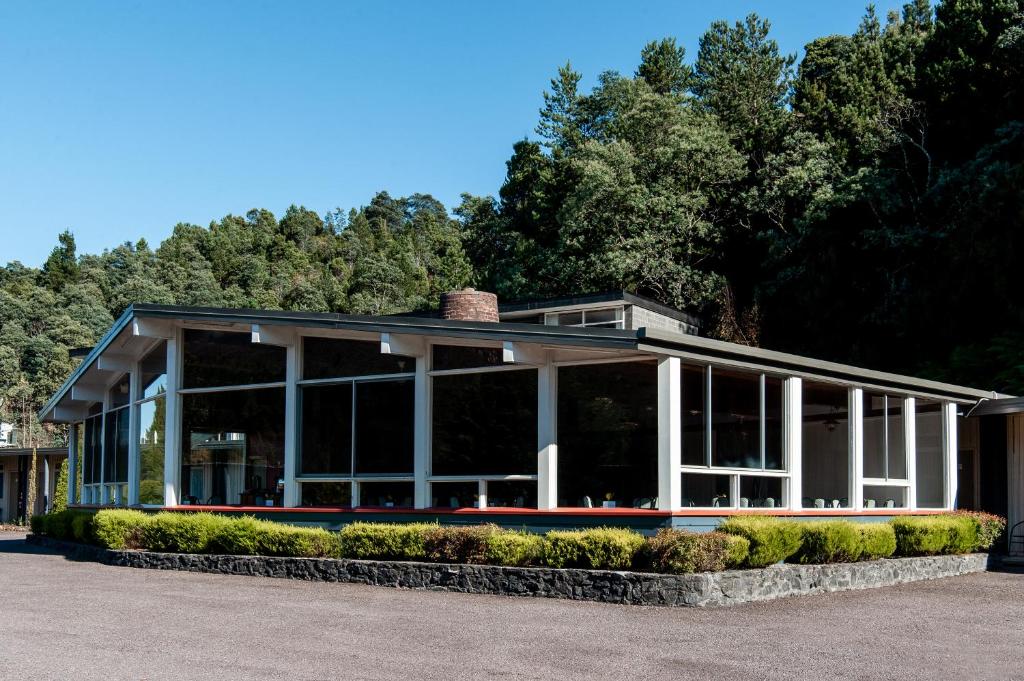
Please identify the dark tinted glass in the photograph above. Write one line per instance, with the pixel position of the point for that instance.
(826, 445)
(608, 434)
(485, 424)
(119, 394)
(326, 428)
(931, 469)
(92, 445)
(773, 457)
(455, 494)
(326, 494)
(233, 447)
(694, 420)
(735, 419)
(874, 435)
(757, 492)
(115, 451)
(340, 358)
(460, 357)
(153, 371)
(384, 427)
(386, 494)
(512, 494)
(219, 358)
(700, 490)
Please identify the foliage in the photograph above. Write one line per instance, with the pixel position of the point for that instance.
(248, 536)
(680, 551)
(182, 532)
(602, 548)
(771, 539)
(60, 489)
(119, 528)
(829, 541)
(990, 527)
(933, 535)
(82, 527)
(513, 548)
(878, 540)
(458, 544)
(385, 541)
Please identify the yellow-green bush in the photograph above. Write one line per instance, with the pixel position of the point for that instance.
(601, 548)
(771, 539)
(513, 548)
(182, 532)
(384, 541)
(990, 527)
(828, 541)
(878, 540)
(932, 535)
(680, 551)
(248, 536)
(120, 528)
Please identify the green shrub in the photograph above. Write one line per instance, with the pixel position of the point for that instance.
(932, 535)
(247, 536)
(458, 544)
(602, 548)
(384, 541)
(989, 527)
(828, 541)
(37, 524)
(680, 551)
(81, 528)
(60, 489)
(771, 539)
(182, 532)
(877, 540)
(119, 528)
(514, 548)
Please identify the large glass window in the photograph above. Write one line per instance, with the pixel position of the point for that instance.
(220, 358)
(735, 419)
(233, 447)
(485, 423)
(386, 494)
(885, 453)
(326, 430)
(153, 372)
(342, 357)
(694, 421)
(326, 493)
(120, 393)
(608, 434)
(447, 357)
(152, 426)
(115, 449)
(705, 490)
(384, 427)
(826, 446)
(92, 450)
(931, 466)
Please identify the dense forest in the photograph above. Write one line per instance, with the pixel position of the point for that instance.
(864, 205)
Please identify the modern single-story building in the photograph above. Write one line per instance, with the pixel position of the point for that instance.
(606, 409)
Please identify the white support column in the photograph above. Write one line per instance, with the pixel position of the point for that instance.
(172, 422)
(481, 494)
(792, 396)
(291, 415)
(105, 497)
(910, 442)
(421, 434)
(949, 443)
(72, 462)
(133, 435)
(547, 436)
(670, 433)
(857, 448)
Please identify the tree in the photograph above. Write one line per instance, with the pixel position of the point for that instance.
(60, 490)
(61, 268)
(662, 66)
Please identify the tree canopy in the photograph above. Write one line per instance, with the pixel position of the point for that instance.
(864, 204)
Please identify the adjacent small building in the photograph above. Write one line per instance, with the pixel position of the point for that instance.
(594, 409)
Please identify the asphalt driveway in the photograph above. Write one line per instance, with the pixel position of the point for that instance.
(61, 619)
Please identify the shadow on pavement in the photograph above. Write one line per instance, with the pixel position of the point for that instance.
(16, 544)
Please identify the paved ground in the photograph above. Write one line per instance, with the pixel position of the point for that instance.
(66, 620)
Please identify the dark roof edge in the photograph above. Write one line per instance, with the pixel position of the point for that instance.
(998, 406)
(784, 361)
(603, 297)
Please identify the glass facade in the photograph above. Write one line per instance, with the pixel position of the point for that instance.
(152, 427)
(608, 435)
(220, 358)
(341, 358)
(885, 453)
(826, 446)
(931, 467)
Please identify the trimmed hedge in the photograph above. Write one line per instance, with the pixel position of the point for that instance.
(990, 527)
(828, 541)
(878, 540)
(458, 543)
(514, 549)
(182, 532)
(680, 551)
(601, 548)
(247, 536)
(772, 539)
(120, 528)
(385, 541)
(933, 535)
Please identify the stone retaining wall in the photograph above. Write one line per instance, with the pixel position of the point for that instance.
(635, 588)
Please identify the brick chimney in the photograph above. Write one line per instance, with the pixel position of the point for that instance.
(469, 305)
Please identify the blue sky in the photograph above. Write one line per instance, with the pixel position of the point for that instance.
(119, 120)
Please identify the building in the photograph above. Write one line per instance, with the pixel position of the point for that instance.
(15, 467)
(589, 410)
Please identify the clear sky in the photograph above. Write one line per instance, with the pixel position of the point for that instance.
(120, 119)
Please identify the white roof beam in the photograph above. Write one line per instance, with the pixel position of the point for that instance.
(273, 334)
(152, 328)
(402, 344)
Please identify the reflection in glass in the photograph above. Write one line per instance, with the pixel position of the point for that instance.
(233, 447)
(153, 371)
(326, 494)
(884, 444)
(512, 493)
(694, 421)
(826, 445)
(931, 466)
(455, 494)
(760, 492)
(735, 419)
(326, 428)
(485, 424)
(608, 435)
(120, 392)
(115, 450)
(773, 457)
(384, 427)
(220, 358)
(464, 357)
(151, 451)
(386, 494)
(879, 496)
(92, 450)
